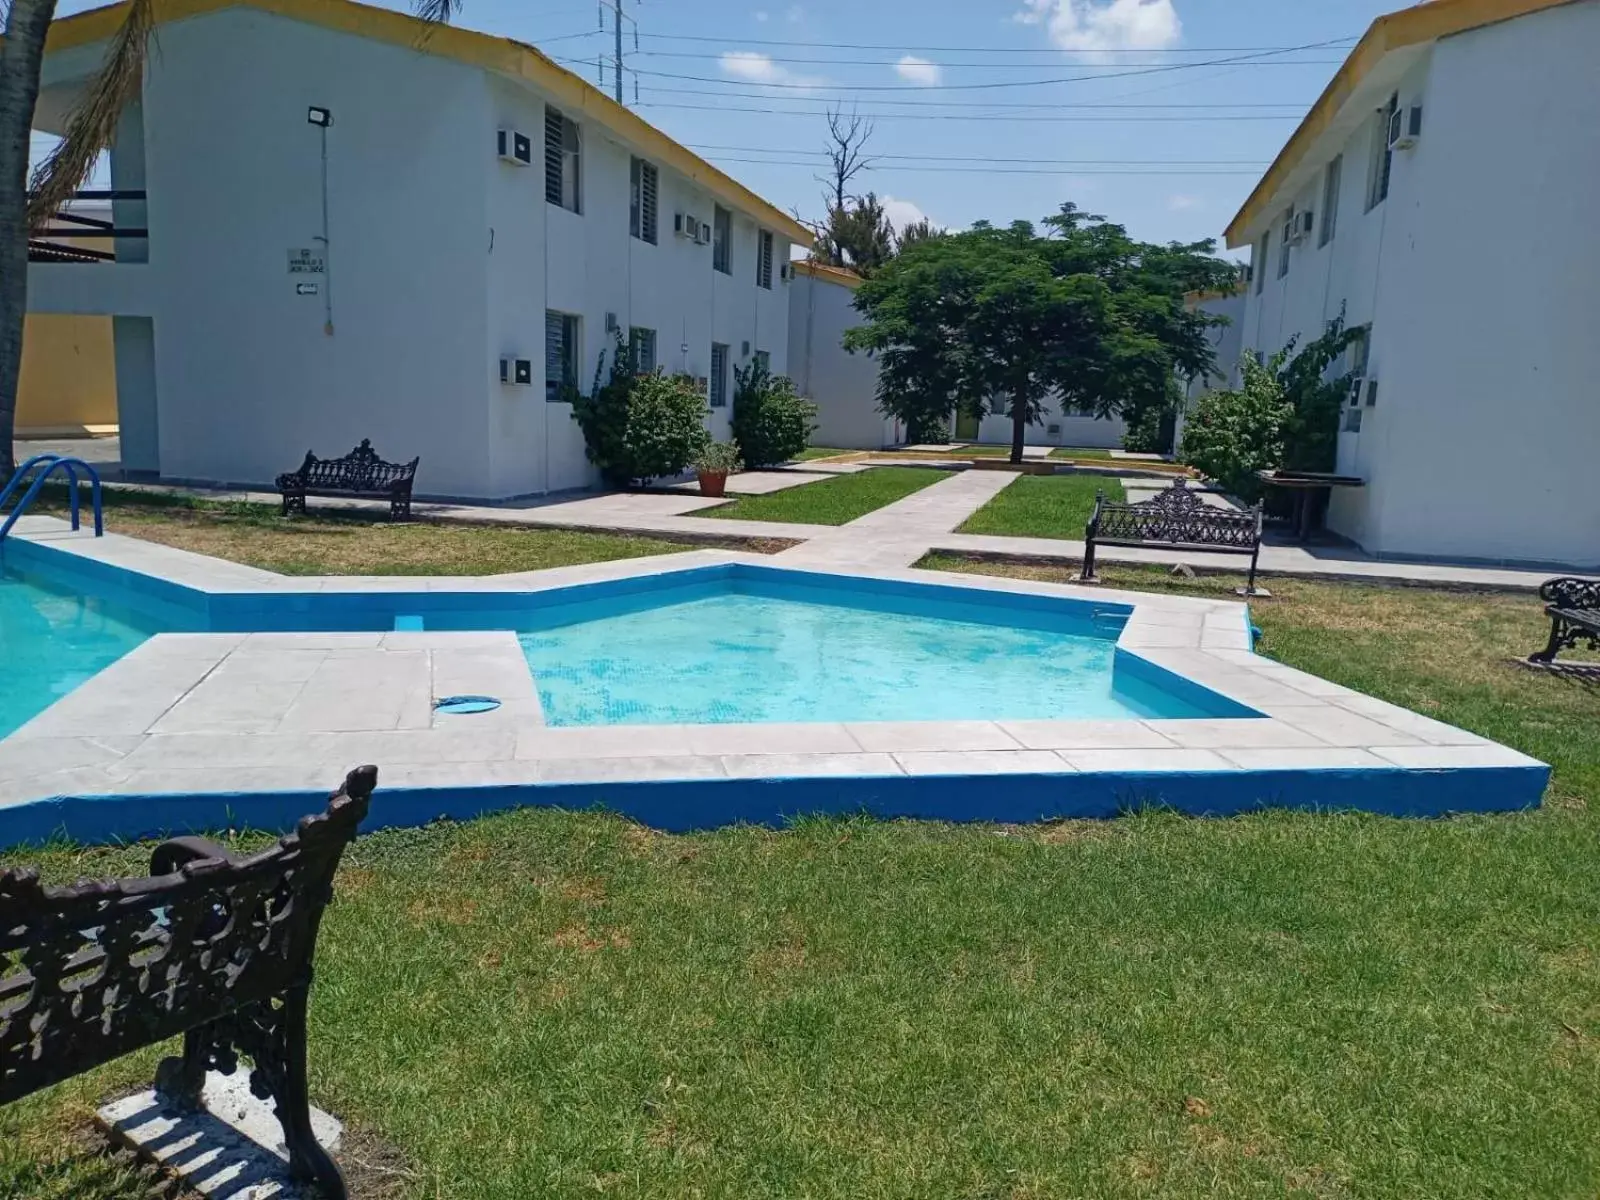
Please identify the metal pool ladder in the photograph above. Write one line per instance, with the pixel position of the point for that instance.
(46, 465)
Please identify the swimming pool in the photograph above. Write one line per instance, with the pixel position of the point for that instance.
(745, 658)
(53, 639)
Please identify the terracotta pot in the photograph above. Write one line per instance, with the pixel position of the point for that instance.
(712, 483)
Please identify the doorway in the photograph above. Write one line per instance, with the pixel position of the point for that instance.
(966, 426)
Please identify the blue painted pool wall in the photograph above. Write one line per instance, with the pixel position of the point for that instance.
(684, 806)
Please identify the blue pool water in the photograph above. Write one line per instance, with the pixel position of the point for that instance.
(736, 658)
(51, 641)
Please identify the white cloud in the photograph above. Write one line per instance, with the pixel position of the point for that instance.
(902, 213)
(918, 71)
(1092, 27)
(1178, 202)
(795, 15)
(755, 67)
(761, 15)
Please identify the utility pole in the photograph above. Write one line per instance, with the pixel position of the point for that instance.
(616, 63)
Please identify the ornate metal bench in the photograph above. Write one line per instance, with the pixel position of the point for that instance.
(361, 474)
(1573, 606)
(1176, 519)
(213, 946)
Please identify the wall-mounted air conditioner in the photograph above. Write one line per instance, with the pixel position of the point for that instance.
(1405, 127)
(687, 225)
(703, 238)
(516, 372)
(1298, 227)
(785, 272)
(516, 148)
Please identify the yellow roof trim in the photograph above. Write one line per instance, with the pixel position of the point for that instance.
(1425, 22)
(832, 274)
(498, 54)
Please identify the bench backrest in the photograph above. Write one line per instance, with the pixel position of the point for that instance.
(360, 470)
(1574, 595)
(104, 967)
(1176, 515)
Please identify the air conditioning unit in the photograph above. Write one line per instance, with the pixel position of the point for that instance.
(704, 237)
(686, 225)
(516, 148)
(1298, 227)
(1052, 431)
(785, 272)
(1405, 127)
(516, 372)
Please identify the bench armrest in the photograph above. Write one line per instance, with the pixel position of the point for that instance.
(176, 852)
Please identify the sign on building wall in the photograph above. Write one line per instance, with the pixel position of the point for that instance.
(307, 262)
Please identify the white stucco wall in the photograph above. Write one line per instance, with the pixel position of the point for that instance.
(443, 260)
(1476, 275)
(843, 386)
(1056, 429)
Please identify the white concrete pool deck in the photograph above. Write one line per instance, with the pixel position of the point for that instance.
(207, 713)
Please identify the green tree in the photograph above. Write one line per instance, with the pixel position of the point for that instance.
(1004, 320)
(639, 427)
(857, 235)
(90, 129)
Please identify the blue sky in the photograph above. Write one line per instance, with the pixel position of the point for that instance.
(1169, 148)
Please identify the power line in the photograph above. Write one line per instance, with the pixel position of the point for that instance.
(878, 62)
(684, 37)
(812, 166)
(1258, 164)
(1297, 107)
(1246, 60)
(965, 117)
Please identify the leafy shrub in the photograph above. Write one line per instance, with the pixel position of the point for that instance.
(1143, 432)
(771, 422)
(1230, 435)
(639, 427)
(1285, 415)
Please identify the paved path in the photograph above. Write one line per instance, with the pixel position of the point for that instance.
(898, 535)
(901, 533)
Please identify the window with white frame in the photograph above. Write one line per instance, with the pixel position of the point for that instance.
(562, 160)
(1382, 157)
(645, 183)
(1263, 248)
(764, 362)
(642, 342)
(1283, 251)
(1330, 200)
(764, 260)
(719, 375)
(722, 240)
(560, 355)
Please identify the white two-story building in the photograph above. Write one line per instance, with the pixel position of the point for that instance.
(337, 222)
(1441, 193)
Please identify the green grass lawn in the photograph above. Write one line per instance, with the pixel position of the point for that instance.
(1286, 1004)
(1056, 506)
(331, 544)
(834, 501)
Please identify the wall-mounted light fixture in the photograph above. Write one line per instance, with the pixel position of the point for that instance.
(319, 116)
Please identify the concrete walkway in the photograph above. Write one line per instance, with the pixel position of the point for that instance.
(898, 535)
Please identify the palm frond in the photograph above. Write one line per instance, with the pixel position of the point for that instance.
(436, 10)
(93, 124)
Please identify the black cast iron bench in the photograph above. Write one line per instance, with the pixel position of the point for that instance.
(1175, 519)
(1573, 606)
(211, 945)
(360, 474)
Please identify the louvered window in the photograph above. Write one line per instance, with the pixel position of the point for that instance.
(764, 260)
(562, 160)
(644, 187)
(643, 343)
(719, 375)
(560, 355)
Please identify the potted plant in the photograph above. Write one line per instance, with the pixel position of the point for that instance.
(713, 464)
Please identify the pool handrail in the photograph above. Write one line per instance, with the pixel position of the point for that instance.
(46, 465)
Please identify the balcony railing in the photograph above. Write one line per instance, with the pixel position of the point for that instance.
(75, 237)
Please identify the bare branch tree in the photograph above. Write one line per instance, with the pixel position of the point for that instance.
(847, 157)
